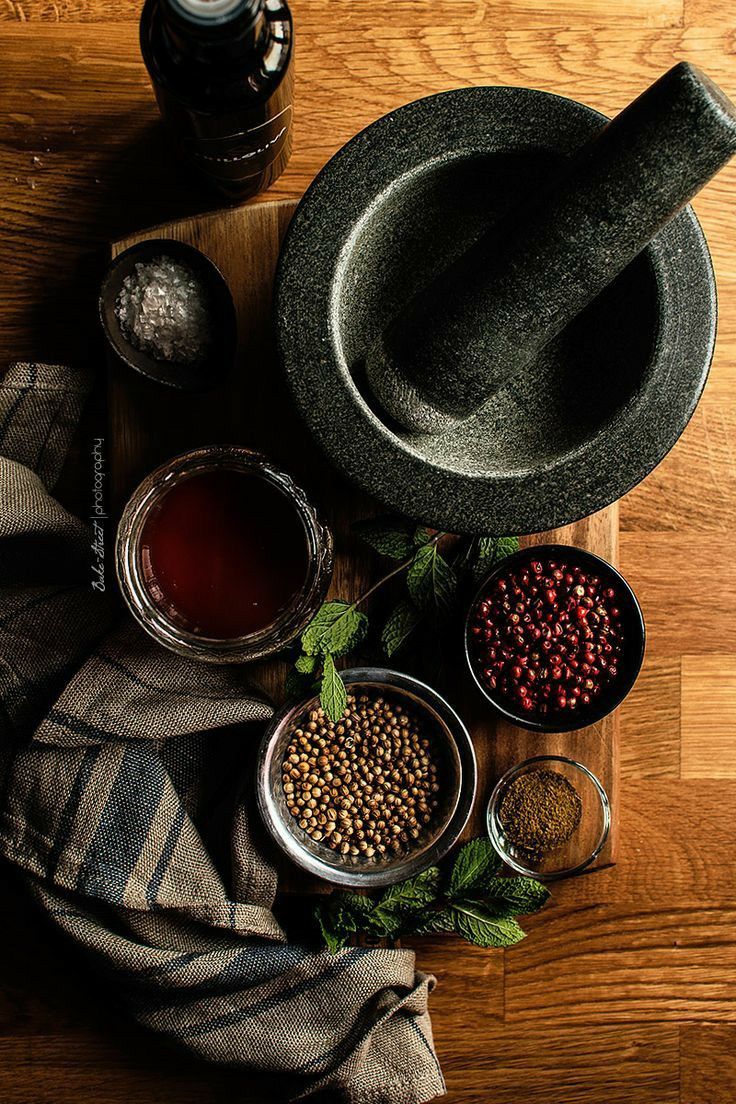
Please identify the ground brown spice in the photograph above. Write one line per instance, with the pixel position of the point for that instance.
(540, 810)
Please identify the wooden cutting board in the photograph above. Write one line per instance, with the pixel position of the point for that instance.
(149, 423)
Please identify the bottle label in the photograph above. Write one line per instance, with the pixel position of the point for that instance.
(244, 154)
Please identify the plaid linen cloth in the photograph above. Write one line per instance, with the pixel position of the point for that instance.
(125, 800)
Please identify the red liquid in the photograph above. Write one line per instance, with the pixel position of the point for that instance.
(224, 553)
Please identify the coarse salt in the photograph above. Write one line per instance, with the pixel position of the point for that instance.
(163, 310)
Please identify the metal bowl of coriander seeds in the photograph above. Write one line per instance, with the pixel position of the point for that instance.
(376, 797)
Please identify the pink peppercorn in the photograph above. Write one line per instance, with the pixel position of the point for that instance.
(555, 644)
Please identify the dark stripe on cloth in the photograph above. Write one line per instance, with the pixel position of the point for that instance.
(76, 726)
(175, 691)
(268, 1003)
(76, 793)
(165, 857)
(339, 1051)
(37, 600)
(125, 823)
(15, 404)
(250, 968)
(425, 1042)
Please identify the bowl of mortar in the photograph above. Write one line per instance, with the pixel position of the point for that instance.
(590, 417)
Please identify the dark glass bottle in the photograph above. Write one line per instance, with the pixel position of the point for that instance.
(223, 76)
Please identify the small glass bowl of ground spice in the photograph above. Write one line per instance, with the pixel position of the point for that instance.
(379, 795)
(555, 638)
(167, 311)
(549, 817)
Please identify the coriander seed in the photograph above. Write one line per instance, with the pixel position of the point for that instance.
(365, 786)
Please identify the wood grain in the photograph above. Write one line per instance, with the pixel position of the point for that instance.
(74, 94)
(68, 1068)
(681, 578)
(612, 963)
(708, 726)
(650, 13)
(650, 722)
(148, 425)
(533, 13)
(675, 844)
(570, 1065)
(707, 1064)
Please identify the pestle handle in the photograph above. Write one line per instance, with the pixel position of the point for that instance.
(493, 310)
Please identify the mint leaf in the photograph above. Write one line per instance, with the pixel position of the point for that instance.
(391, 536)
(399, 626)
(478, 924)
(433, 922)
(486, 552)
(421, 536)
(335, 937)
(418, 905)
(337, 628)
(340, 916)
(306, 664)
(431, 581)
(297, 685)
(403, 900)
(474, 867)
(519, 895)
(333, 696)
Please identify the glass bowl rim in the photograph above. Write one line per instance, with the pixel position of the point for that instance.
(272, 638)
(491, 817)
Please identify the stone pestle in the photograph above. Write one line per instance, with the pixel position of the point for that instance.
(488, 315)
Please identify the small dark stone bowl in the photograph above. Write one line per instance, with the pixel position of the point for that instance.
(634, 628)
(201, 375)
(600, 407)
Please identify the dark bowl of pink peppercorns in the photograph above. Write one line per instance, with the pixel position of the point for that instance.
(555, 638)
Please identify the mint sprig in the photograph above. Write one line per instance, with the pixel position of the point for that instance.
(477, 923)
(333, 696)
(475, 867)
(400, 626)
(391, 536)
(485, 553)
(432, 582)
(404, 900)
(469, 899)
(336, 628)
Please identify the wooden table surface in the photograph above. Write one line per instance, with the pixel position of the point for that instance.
(625, 989)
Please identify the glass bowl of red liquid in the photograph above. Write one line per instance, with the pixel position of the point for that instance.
(221, 556)
(554, 638)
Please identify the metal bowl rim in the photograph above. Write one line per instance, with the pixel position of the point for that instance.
(364, 876)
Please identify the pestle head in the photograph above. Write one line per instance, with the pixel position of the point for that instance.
(490, 314)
